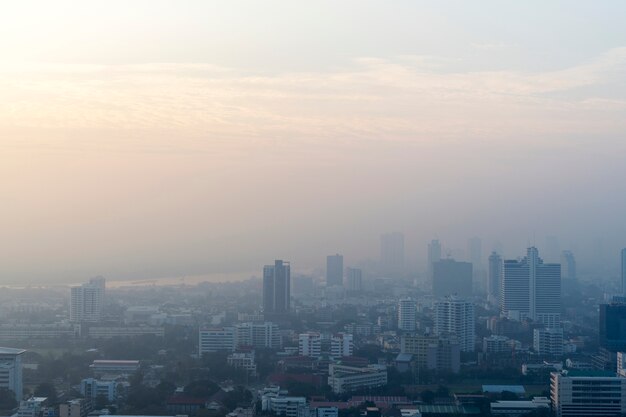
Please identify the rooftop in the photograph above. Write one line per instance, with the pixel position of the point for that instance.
(11, 351)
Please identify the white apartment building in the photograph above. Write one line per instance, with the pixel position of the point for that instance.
(86, 302)
(548, 341)
(407, 311)
(496, 344)
(258, 335)
(31, 407)
(341, 344)
(92, 388)
(310, 344)
(455, 316)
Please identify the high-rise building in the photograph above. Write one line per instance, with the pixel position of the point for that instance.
(407, 310)
(623, 272)
(612, 325)
(392, 253)
(456, 317)
(258, 335)
(341, 344)
(475, 252)
(532, 289)
(494, 280)
(587, 393)
(86, 302)
(434, 255)
(11, 370)
(276, 288)
(334, 270)
(354, 280)
(568, 266)
(452, 278)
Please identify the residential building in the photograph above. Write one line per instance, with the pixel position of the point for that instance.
(496, 344)
(93, 388)
(86, 302)
(32, 407)
(587, 393)
(341, 344)
(76, 408)
(342, 378)
(456, 316)
(243, 360)
(433, 352)
(407, 311)
(217, 339)
(549, 341)
(310, 344)
(11, 370)
(532, 289)
(452, 278)
(277, 288)
(334, 270)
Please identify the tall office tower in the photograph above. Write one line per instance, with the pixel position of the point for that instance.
(613, 327)
(276, 288)
(494, 281)
(407, 310)
(434, 255)
(452, 278)
(334, 270)
(532, 289)
(456, 316)
(354, 280)
(624, 272)
(11, 371)
(392, 253)
(86, 303)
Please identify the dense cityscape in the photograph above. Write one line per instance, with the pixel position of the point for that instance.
(483, 335)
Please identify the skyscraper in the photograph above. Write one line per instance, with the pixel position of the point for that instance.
(568, 267)
(354, 280)
(624, 272)
(392, 253)
(612, 325)
(456, 317)
(407, 310)
(494, 280)
(276, 288)
(532, 289)
(334, 270)
(86, 302)
(475, 251)
(434, 255)
(452, 278)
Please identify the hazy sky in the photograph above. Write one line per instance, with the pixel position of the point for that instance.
(164, 138)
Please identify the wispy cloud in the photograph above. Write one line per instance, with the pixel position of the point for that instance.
(407, 98)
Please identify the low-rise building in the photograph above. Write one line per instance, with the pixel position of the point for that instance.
(587, 393)
(519, 408)
(342, 378)
(243, 360)
(114, 367)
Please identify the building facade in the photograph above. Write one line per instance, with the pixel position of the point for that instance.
(452, 278)
(456, 316)
(407, 311)
(334, 270)
(587, 393)
(277, 288)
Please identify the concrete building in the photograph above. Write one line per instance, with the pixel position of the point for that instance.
(568, 266)
(102, 367)
(11, 370)
(341, 344)
(310, 344)
(354, 280)
(277, 288)
(334, 270)
(494, 279)
(259, 335)
(532, 289)
(243, 360)
(33, 407)
(86, 302)
(76, 408)
(587, 393)
(109, 332)
(342, 378)
(549, 341)
(452, 278)
(92, 388)
(434, 255)
(519, 408)
(39, 331)
(496, 344)
(407, 311)
(455, 316)
(433, 352)
(612, 326)
(217, 339)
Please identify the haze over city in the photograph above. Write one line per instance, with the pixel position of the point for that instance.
(153, 139)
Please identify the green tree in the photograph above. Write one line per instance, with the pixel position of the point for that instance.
(47, 389)
(7, 399)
